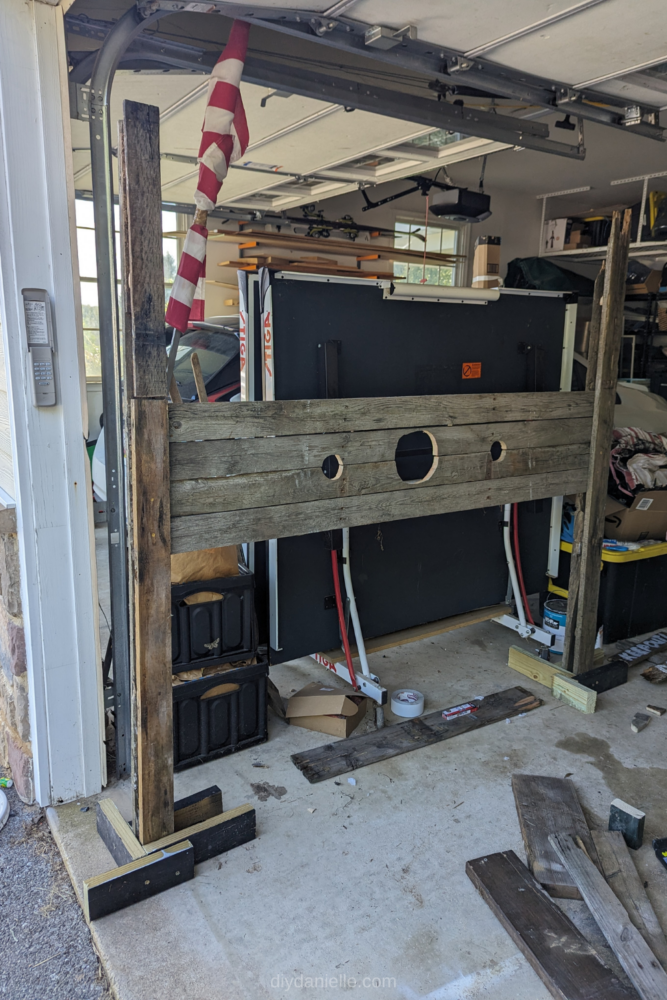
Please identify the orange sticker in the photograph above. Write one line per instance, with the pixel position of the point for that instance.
(472, 369)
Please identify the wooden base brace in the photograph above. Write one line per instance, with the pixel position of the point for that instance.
(202, 830)
(562, 684)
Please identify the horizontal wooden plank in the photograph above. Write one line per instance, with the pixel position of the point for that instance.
(116, 833)
(201, 531)
(268, 489)
(419, 632)
(331, 416)
(209, 459)
(333, 759)
(140, 879)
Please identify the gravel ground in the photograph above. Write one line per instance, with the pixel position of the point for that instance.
(46, 952)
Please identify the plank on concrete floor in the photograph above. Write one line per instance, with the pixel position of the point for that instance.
(621, 874)
(549, 805)
(359, 751)
(563, 959)
(637, 959)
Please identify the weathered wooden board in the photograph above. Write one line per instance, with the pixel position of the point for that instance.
(560, 955)
(143, 248)
(638, 961)
(359, 751)
(151, 578)
(333, 416)
(201, 531)
(208, 459)
(268, 489)
(141, 879)
(620, 872)
(588, 550)
(546, 805)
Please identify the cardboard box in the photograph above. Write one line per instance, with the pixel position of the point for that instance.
(650, 284)
(486, 262)
(326, 709)
(646, 518)
(554, 235)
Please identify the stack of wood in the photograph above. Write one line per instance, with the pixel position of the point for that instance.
(313, 255)
(567, 860)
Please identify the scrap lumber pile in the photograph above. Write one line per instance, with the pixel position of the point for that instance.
(313, 255)
(567, 860)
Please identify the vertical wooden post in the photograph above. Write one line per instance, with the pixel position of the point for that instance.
(150, 541)
(587, 547)
(580, 504)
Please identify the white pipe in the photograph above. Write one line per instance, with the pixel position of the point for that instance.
(442, 293)
(347, 576)
(507, 514)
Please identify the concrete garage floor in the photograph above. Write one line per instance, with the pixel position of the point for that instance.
(368, 881)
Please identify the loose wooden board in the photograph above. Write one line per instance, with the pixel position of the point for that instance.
(563, 959)
(638, 961)
(620, 872)
(140, 879)
(359, 751)
(546, 805)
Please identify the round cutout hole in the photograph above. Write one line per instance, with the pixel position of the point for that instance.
(498, 450)
(332, 466)
(416, 457)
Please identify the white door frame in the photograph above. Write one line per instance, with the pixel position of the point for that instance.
(51, 468)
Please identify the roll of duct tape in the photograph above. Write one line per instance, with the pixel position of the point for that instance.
(407, 703)
(4, 809)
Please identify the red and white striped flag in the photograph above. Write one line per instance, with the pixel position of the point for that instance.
(224, 140)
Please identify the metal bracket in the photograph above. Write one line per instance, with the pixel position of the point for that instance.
(526, 631)
(368, 685)
(379, 37)
(79, 102)
(458, 64)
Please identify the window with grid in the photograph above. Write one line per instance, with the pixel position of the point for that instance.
(436, 239)
(85, 232)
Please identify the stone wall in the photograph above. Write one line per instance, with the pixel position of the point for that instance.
(15, 751)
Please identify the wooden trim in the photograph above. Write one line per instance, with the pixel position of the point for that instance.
(335, 416)
(257, 524)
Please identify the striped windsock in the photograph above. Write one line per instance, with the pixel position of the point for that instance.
(224, 140)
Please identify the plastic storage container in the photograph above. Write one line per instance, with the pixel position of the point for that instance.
(212, 632)
(218, 715)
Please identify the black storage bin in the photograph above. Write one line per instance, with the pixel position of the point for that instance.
(218, 715)
(632, 591)
(203, 635)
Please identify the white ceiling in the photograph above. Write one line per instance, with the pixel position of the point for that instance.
(596, 39)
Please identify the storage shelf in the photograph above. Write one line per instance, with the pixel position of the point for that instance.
(599, 253)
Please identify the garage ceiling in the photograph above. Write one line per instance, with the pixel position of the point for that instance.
(330, 151)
